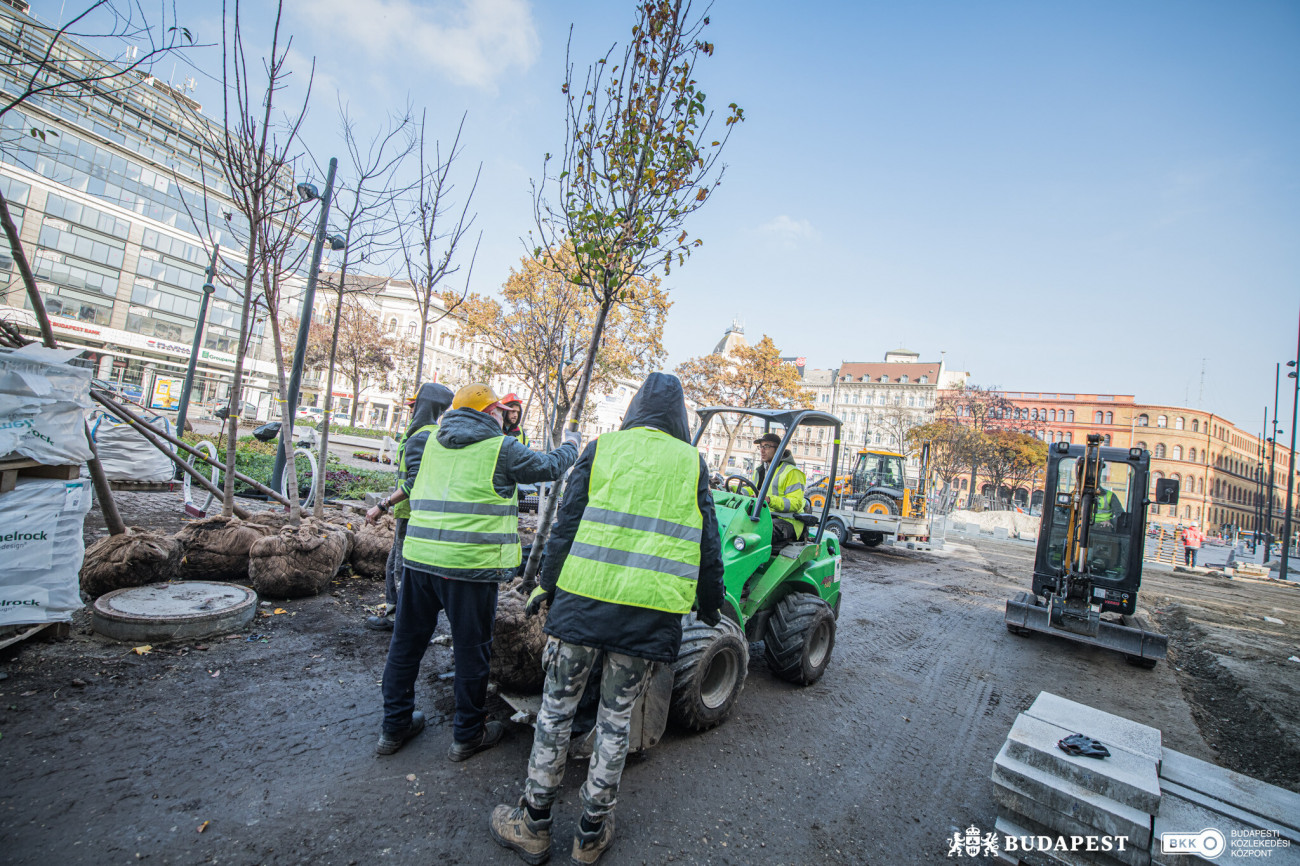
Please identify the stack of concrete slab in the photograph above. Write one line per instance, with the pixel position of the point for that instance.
(1042, 791)
(1140, 793)
(1257, 821)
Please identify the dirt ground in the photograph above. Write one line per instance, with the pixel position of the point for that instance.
(256, 748)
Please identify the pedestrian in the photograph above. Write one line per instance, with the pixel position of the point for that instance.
(1192, 538)
(785, 495)
(462, 540)
(430, 402)
(622, 567)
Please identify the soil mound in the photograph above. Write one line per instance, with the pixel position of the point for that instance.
(298, 561)
(216, 548)
(517, 643)
(137, 557)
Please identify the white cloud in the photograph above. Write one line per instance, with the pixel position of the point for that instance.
(472, 42)
(789, 230)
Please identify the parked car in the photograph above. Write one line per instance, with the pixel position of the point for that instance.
(309, 413)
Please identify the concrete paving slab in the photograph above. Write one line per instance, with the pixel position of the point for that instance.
(1233, 813)
(1241, 842)
(1019, 804)
(1020, 827)
(1126, 777)
(1001, 532)
(1243, 792)
(1114, 731)
(1108, 816)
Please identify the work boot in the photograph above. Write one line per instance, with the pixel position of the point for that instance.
(490, 735)
(587, 847)
(381, 623)
(515, 829)
(390, 743)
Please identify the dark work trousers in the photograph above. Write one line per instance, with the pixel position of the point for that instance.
(393, 568)
(1189, 553)
(471, 608)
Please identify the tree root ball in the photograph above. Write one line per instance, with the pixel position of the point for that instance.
(274, 519)
(137, 557)
(216, 548)
(517, 643)
(373, 542)
(299, 561)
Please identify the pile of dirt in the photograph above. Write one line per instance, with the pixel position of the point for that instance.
(517, 643)
(137, 557)
(216, 548)
(1015, 523)
(299, 561)
(372, 543)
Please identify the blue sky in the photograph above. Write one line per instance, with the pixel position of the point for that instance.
(1088, 197)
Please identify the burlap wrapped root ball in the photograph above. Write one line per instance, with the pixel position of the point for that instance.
(371, 546)
(274, 519)
(216, 548)
(353, 526)
(137, 557)
(517, 643)
(299, 560)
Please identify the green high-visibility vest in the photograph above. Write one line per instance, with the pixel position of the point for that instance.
(458, 520)
(1107, 507)
(403, 508)
(785, 495)
(639, 540)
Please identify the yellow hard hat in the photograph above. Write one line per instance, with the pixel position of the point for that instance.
(477, 396)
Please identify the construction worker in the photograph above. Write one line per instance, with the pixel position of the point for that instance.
(785, 496)
(621, 569)
(462, 540)
(513, 417)
(430, 401)
(1192, 537)
(1107, 507)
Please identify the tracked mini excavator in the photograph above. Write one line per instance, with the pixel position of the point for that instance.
(1088, 563)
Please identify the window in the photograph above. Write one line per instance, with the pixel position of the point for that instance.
(1178, 423)
(1051, 416)
(1162, 421)
(1160, 449)
(392, 325)
(1143, 420)
(1097, 417)
(410, 329)
(1110, 417)
(1069, 417)
(883, 379)
(924, 380)
(1105, 440)
(902, 380)
(1142, 445)
(1196, 425)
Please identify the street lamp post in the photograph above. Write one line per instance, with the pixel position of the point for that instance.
(1290, 470)
(308, 192)
(208, 289)
(1272, 459)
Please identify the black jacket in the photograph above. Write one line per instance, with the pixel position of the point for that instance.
(634, 631)
(430, 402)
(516, 464)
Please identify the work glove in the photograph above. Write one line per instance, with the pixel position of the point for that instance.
(709, 617)
(535, 599)
(575, 437)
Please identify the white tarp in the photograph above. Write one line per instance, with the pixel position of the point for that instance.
(41, 546)
(124, 452)
(43, 405)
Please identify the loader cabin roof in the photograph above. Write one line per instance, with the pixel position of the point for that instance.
(787, 418)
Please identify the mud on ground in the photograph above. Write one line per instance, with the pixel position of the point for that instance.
(264, 739)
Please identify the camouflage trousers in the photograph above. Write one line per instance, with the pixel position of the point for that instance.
(623, 679)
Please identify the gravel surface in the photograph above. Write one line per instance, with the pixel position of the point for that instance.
(257, 747)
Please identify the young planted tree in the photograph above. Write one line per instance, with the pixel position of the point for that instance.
(748, 377)
(639, 158)
(983, 410)
(363, 351)
(537, 326)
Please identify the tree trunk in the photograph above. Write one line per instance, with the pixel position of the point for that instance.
(318, 508)
(356, 399)
(236, 401)
(286, 429)
(575, 416)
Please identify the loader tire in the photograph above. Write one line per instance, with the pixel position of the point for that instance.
(878, 503)
(800, 637)
(709, 673)
(836, 527)
(872, 539)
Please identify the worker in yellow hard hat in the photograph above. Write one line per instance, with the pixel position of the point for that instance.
(461, 542)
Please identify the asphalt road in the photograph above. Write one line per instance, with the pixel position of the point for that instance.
(260, 751)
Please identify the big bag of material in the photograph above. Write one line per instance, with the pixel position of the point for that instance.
(44, 401)
(41, 547)
(124, 452)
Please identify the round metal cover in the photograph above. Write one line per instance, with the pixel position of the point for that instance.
(174, 611)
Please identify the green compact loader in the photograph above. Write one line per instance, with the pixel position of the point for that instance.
(788, 598)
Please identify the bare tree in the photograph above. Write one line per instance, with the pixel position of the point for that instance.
(432, 232)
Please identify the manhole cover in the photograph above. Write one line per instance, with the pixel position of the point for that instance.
(174, 611)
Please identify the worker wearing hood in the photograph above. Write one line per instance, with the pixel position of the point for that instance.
(635, 546)
(430, 402)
